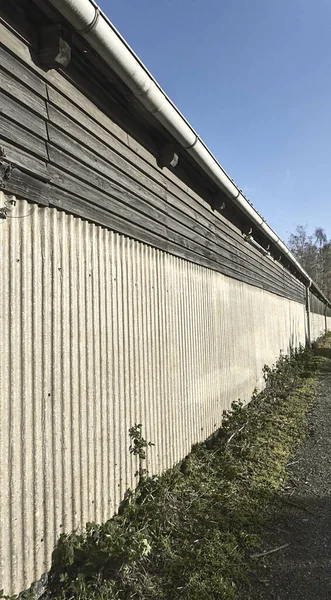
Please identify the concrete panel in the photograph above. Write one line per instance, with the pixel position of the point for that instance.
(98, 332)
(318, 325)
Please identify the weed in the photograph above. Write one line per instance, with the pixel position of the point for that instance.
(138, 448)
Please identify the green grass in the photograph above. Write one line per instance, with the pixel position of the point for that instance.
(189, 533)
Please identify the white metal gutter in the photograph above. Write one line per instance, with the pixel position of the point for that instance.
(88, 20)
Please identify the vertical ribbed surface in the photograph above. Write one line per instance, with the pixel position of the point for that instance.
(99, 332)
(317, 325)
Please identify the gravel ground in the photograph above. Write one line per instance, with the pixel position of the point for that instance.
(302, 570)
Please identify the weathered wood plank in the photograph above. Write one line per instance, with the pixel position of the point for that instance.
(13, 65)
(182, 212)
(121, 143)
(152, 205)
(107, 125)
(104, 115)
(106, 198)
(109, 195)
(28, 187)
(16, 112)
(17, 135)
(83, 173)
(200, 230)
(21, 93)
(18, 157)
(79, 206)
(31, 189)
(116, 184)
(144, 201)
(79, 135)
(85, 209)
(103, 166)
(107, 203)
(126, 206)
(82, 144)
(178, 221)
(267, 270)
(92, 119)
(72, 204)
(252, 251)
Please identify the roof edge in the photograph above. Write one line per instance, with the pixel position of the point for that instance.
(92, 24)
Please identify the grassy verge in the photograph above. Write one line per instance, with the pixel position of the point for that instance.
(189, 534)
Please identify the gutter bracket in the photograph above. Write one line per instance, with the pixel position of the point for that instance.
(54, 46)
(168, 156)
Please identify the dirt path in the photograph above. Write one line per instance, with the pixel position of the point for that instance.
(302, 570)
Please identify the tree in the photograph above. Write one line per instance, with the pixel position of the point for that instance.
(314, 253)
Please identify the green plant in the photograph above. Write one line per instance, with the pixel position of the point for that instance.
(138, 448)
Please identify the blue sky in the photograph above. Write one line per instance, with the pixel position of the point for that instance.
(254, 80)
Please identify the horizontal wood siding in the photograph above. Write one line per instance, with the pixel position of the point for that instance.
(69, 154)
(318, 307)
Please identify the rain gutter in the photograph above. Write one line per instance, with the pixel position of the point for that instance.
(88, 20)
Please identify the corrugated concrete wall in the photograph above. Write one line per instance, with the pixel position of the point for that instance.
(98, 332)
(320, 316)
(317, 325)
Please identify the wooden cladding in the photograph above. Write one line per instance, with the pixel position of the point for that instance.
(318, 307)
(67, 153)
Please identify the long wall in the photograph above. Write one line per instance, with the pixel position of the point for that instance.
(98, 332)
(127, 296)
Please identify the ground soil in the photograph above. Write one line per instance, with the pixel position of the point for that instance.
(301, 517)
